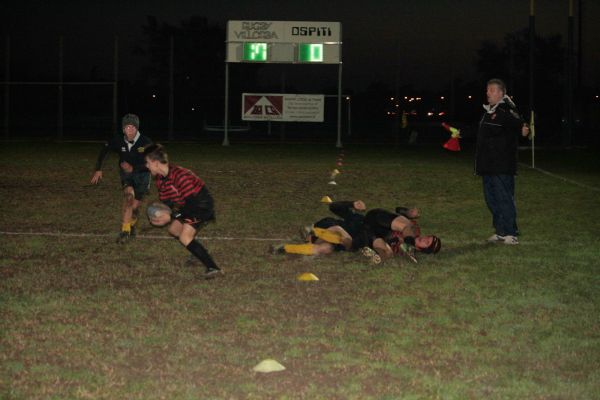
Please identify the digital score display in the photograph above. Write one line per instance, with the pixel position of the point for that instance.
(310, 52)
(255, 52)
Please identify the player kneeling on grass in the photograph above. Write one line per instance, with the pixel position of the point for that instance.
(187, 195)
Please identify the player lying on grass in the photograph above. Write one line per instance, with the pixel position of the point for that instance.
(329, 234)
(187, 195)
(379, 234)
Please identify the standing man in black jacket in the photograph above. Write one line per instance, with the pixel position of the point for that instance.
(135, 177)
(496, 160)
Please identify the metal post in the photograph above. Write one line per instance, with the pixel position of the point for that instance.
(171, 89)
(226, 116)
(570, 70)
(60, 89)
(339, 108)
(282, 126)
(532, 135)
(115, 88)
(349, 116)
(579, 43)
(7, 89)
(531, 61)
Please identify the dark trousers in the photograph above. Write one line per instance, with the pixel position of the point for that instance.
(499, 192)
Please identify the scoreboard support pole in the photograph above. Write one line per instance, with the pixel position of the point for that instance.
(339, 108)
(226, 116)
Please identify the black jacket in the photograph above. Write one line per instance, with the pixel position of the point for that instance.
(497, 140)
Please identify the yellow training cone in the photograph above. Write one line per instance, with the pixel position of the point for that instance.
(307, 276)
(268, 365)
(326, 199)
(332, 183)
(335, 172)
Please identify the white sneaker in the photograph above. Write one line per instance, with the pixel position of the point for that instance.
(497, 238)
(508, 239)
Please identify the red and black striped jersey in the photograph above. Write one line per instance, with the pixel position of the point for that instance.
(179, 184)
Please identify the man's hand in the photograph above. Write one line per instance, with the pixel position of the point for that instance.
(125, 166)
(525, 130)
(359, 205)
(96, 177)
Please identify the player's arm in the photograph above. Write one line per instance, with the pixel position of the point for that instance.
(410, 213)
(97, 176)
(345, 209)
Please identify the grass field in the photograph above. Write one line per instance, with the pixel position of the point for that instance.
(84, 318)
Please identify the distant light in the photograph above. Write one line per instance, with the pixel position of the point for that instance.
(441, 113)
(430, 114)
(193, 108)
(441, 97)
(348, 98)
(418, 98)
(187, 77)
(405, 98)
(397, 105)
(391, 98)
(470, 97)
(597, 96)
(153, 96)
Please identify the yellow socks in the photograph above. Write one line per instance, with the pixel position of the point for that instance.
(306, 249)
(126, 227)
(328, 236)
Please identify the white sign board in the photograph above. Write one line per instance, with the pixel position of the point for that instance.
(283, 107)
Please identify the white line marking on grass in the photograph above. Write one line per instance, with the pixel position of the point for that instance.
(583, 185)
(255, 239)
(160, 237)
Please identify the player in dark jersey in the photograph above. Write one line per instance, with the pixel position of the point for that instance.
(399, 233)
(190, 200)
(135, 178)
(332, 234)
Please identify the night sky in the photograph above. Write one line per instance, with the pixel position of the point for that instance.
(418, 40)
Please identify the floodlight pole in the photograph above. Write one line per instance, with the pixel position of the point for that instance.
(171, 87)
(339, 108)
(226, 116)
(532, 69)
(59, 124)
(7, 89)
(115, 83)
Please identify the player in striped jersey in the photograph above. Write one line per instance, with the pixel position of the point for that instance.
(190, 200)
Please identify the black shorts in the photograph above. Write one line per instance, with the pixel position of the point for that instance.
(379, 222)
(327, 222)
(139, 181)
(197, 210)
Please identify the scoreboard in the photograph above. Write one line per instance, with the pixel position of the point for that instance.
(284, 42)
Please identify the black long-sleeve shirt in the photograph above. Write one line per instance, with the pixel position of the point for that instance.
(133, 156)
